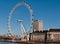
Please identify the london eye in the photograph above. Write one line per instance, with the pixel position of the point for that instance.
(11, 14)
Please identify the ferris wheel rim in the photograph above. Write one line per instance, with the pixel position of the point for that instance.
(13, 9)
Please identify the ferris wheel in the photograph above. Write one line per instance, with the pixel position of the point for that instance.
(11, 14)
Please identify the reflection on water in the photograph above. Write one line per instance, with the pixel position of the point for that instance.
(26, 43)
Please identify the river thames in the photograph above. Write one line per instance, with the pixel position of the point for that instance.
(26, 43)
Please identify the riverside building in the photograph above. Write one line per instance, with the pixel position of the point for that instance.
(38, 34)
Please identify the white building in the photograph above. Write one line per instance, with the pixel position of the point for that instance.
(38, 25)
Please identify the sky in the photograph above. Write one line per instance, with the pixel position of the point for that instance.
(46, 10)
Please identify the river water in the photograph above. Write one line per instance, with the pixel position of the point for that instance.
(26, 43)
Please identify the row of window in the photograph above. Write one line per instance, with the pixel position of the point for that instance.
(54, 37)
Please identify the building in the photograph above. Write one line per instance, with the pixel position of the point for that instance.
(37, 25)
(53, 34)
(38, 36)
